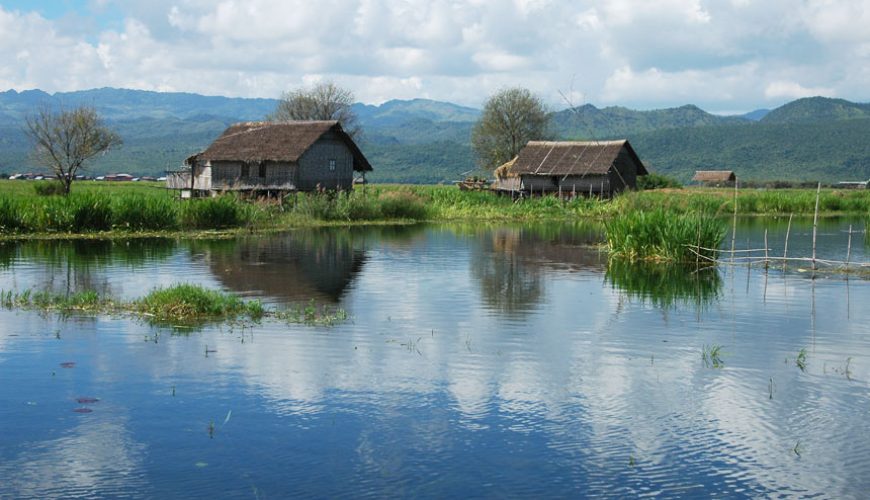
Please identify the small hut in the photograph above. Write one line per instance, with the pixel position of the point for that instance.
(570, 168)
(273, 158)
(714, 178)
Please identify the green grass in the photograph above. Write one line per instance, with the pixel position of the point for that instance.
(103, 207)
(184, 304)
(662, 235)
(712, 356)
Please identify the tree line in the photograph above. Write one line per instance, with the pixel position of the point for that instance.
(66, 140)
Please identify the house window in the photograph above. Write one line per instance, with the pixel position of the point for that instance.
(262, 170)
(331, 165)
(246, 170)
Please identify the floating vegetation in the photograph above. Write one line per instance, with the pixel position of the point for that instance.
(801, 360)
(663, 236)
(184, 303)
(712, 356)
(312, 315)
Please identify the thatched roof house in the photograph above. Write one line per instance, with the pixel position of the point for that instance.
(580, 167)
(280, 157)
(715, 177)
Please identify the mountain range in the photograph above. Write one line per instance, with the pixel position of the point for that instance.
(427, 141)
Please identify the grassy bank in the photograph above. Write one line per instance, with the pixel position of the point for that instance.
(182, 303)
(136, 208)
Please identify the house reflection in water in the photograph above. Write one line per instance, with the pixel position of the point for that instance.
(295, 267)
(511, 262)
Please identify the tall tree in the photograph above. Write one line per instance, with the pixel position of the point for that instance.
(64, 140)
(511, 118)
(323, 101)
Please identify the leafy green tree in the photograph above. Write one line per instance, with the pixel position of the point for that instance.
(510, 118)
(64, 140)
(323, 101)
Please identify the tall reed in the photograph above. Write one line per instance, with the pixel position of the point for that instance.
(662, 235)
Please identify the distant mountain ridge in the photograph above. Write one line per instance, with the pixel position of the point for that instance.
(422, 140)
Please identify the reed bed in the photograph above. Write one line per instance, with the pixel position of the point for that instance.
(664, 236)
(90, 212)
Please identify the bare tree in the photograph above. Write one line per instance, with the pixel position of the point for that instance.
(323, 101)
(511, 118)
(66, 139)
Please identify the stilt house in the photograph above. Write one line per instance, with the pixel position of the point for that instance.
(593, 168)
(714, 178)
(273, 158)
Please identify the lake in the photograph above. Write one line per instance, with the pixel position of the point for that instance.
(479, 361)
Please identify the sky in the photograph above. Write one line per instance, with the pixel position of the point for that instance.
(726, 56)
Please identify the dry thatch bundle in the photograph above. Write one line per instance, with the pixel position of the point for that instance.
(504, 171)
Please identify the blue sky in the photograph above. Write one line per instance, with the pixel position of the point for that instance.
(723, 55)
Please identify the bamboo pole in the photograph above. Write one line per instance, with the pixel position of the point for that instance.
(787, 233)
(849, 247)
(734, 222)
(816, 223)
(766, 261)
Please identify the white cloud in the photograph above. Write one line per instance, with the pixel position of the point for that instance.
(720, 55)
(794, 90)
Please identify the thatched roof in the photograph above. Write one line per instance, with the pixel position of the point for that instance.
(714, 176)
(255, 142)
(573, 157)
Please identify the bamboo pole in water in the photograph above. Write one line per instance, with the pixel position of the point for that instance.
(766, 261)
(849, 247)
(785, 250)
(734, 223)
(816, 223)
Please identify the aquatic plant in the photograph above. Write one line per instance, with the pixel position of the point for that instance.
(310, 314)
(801, 360)
(712, 356)
(193, 302)
(665, 236)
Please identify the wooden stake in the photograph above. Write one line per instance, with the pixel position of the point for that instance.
(849, 247)
(734, 223)
(766, 261)
(816, 223)
(785, 251)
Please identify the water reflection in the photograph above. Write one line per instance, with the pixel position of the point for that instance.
(665, 285)
(509, 263)
(294, 267)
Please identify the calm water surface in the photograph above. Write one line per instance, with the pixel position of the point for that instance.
(502, 361)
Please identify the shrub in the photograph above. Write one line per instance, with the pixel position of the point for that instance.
(657, 181)
(48, 188)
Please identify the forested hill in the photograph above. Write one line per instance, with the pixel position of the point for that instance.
(427, 141)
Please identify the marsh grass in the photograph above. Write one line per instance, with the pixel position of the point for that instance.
(801, 360)
(312, 315)
(176, 305)
(712, 356)
(185, 302)
(662, 235)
